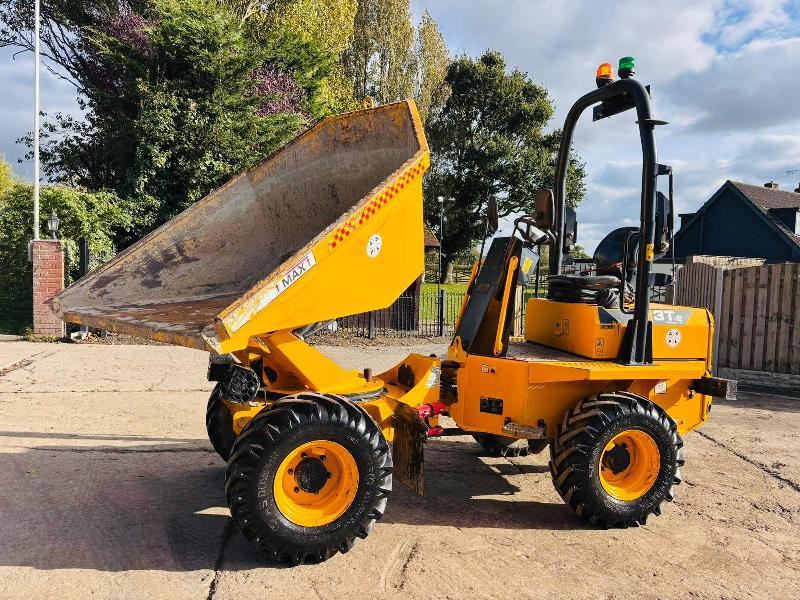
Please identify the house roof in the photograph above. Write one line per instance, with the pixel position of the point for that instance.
(760, 199)
(768, 197)
(765, 198)
(432, 242)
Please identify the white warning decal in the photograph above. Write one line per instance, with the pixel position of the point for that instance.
(294, 273)
(671, 317)
(374, 245)
(275, 288)
(673, 337)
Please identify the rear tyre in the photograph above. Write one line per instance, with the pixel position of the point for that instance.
(501, 445)
(307, 476)
(219, 424)
(615, 459)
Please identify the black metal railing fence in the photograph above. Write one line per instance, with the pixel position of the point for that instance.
(434, 314)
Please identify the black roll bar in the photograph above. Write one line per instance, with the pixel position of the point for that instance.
(637, 345)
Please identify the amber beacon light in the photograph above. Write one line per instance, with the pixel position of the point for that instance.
(604, 75)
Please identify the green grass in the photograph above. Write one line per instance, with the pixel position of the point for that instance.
(428, 303)
(451, 288)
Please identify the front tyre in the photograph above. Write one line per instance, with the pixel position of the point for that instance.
(307, 476)
(219, 424)
(616, 458)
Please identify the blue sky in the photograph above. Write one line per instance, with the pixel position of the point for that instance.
(725, 74)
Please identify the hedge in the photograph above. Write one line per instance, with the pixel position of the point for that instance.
(82, 214)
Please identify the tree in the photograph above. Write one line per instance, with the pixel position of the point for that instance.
(578, 251)
(324, 24)
(178, 95)
(6, 177)
(432, 60)
(389, 60)
(488, 140)
(93, 215)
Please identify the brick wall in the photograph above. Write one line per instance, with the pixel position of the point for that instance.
(48, 280)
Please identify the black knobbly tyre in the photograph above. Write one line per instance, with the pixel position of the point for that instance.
(219, 424)
(307, 476)
(616, 458)
(501, 445)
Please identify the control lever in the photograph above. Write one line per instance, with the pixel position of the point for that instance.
(526, 226)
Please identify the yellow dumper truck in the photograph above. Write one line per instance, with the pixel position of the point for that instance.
(332, 225)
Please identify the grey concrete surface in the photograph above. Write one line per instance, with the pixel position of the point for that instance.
(111, 490)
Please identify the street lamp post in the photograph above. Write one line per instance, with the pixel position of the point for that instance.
(36, 121)
(440, 200)
(439, 295)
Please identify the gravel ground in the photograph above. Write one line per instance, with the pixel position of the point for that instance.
(111, 490)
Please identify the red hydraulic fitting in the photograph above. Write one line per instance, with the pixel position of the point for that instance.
(435, 431)
(431, 410)
(439, 408)
(424, 410)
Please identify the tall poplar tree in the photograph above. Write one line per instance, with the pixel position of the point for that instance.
(390, 60)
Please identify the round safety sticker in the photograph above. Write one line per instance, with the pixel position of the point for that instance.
(673, 337)
(374, 245)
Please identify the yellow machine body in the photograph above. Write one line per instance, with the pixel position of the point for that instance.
(569, 353)
(332, 225)
(679, 332)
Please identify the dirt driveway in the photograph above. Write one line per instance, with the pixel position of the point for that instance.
(111, 490)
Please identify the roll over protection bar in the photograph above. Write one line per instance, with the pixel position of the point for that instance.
(618, 96)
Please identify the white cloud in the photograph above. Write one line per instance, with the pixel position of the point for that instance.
(752, 88)
(723, 73)
(743, 19)
(16, 109)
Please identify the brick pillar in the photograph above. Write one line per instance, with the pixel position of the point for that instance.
(48, 281)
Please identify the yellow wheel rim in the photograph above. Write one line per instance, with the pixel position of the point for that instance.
(629, 465)
(316, 483)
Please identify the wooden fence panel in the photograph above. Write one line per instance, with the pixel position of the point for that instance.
(723, 321)
(794, 354)
(756, 310)
(696, 285)
(784, 336)
(773, 308)
(760, 308)
(748, 318)
(734, 350)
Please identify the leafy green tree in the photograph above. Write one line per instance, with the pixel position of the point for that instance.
(432, 60)
(6, 177)
(488, 140)
(389, 60)
(578, 251)
(178, 95)
(326, 25)
(82, 214)
(202, 103)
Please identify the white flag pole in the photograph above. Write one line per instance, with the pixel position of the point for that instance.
(36, 126)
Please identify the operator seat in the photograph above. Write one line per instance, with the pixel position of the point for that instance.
(601, 289)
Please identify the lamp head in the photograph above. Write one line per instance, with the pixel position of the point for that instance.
(52, 224)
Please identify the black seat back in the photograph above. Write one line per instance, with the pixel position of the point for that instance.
(611, 250)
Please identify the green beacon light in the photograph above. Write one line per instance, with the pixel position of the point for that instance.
(626, 67)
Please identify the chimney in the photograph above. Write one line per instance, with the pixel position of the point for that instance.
(797, 189)
(771, 185)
